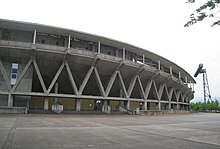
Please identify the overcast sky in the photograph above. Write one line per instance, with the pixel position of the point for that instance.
(153, 25)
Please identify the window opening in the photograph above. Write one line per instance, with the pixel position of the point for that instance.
(14, 71)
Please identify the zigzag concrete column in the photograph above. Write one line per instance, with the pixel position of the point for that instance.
(46, 103)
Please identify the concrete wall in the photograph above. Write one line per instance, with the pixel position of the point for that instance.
(26, 83)
(151, 106)
(7, 67)
(114, 105)
(37, 103)
(51, 40)
(16, 35)
(59, 43)
(57, 40)
(134, 105)
(108, 50)
(1, 33)
(3, 100)
(84, 45)
(24, 86)
(85, 105)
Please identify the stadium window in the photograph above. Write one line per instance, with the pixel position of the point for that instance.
(57, 43)
(14, 66)
(13, 76)
(109, 53)
(5, 34)
(42, 41)
(14, 70)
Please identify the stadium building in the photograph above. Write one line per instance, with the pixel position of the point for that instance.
(50, 68)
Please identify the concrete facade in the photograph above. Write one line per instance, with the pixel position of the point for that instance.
(85, 72)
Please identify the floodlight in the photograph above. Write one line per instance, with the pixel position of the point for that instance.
(199, 70)
(205, 83)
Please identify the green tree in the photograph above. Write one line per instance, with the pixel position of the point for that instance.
(195, 106)
(201, 107)
(211, 106)
(216, 105)
(209, 9)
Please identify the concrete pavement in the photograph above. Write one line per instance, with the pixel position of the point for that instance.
(200, 130)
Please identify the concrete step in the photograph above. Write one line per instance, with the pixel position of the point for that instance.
(32, 111)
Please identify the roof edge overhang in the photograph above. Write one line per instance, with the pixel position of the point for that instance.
(66, 32)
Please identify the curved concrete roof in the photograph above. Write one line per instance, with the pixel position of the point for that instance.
(94, 38)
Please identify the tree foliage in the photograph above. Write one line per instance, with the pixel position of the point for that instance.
(211, 106)
(209, 9)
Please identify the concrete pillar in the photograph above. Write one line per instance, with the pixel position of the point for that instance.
(186, 80)
(179, 75)
(116, 53)
(104, 105)
(121, 93)
(143, 59)
(145, 105)
(69, 42)
(93, 48)
(158, 64)
(56, 91)
(128, 105)
(121, 103)
(99, 47)
(193, 86)
(10, 100)
(105, 102)
(171, 70)
(169, 105)
(123, 53)
(46, 103)
(159, 105)
(34, 38)
(135, 58)
(78, 104)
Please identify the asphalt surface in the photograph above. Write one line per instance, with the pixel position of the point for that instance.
(47, 131)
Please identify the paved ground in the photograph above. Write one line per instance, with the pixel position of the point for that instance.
(104, 131)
